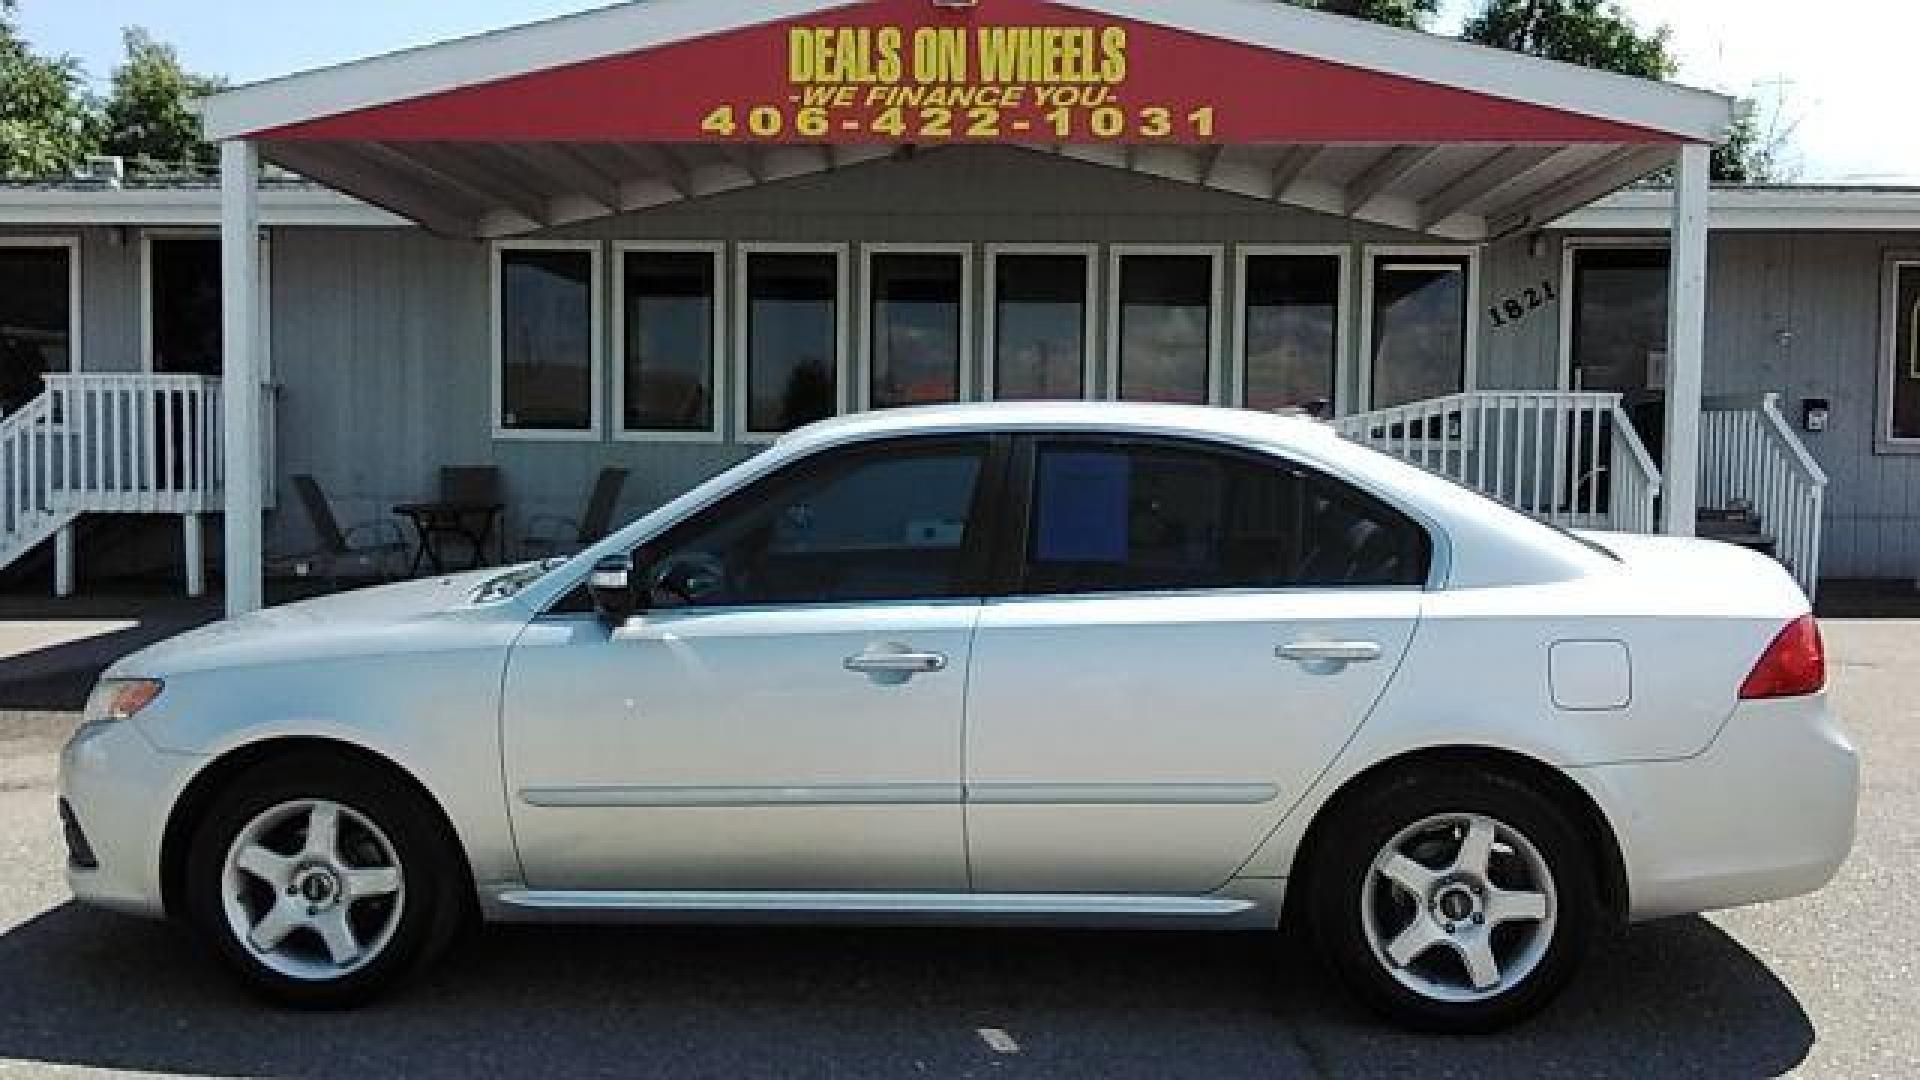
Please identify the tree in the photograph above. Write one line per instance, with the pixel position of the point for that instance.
(1592, 33)
(146, 119)
(1411, 14)
(46, 122)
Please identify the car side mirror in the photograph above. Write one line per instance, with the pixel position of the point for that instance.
(612, 587)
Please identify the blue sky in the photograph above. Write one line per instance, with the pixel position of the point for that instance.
(1837, 83)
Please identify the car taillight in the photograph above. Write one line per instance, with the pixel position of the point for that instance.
(1794, 665)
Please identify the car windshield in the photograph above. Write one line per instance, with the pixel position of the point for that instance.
(513, 581)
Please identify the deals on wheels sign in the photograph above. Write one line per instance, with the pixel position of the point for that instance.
(911, 71)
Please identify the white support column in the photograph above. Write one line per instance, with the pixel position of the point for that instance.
(240, 375)
(63, 561)
(193, 544)
(1686, 340)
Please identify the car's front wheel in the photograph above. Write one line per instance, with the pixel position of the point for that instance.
(1458, 902)
(321, 880)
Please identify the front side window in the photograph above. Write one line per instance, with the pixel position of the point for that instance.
(1903, 385)
(917, 333)
(1165, 327)
(36, 320)
(793, 339)
(185, 324)
(545, 307)
(870, 524)
(1419, 324)
(668, 303)
(1039, 326)
(1292, 320)
(1152, 517)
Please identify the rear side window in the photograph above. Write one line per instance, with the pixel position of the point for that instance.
(1160, 516)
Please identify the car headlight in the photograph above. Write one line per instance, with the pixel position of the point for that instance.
(121, 699)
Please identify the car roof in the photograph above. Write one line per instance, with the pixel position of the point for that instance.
(1202, 420)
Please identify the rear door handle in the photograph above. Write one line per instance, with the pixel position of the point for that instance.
(897, 663)
(1330, 652)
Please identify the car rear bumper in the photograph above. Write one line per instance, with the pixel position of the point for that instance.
(117, 787)
(1765, 812)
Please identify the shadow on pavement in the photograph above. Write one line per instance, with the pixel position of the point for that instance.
(82, 988)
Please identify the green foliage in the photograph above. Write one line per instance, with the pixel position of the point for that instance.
(46, 121)
(1411, 14)
(1593, 33)
(146, 119)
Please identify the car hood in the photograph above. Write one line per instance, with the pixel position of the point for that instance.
(384, 618)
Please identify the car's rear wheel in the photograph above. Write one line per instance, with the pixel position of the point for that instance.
(1452, 903)
(321, 880)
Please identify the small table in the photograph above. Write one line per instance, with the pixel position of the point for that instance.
(473, 522)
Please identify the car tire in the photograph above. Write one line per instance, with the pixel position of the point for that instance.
(315, 924)
(1430, 932)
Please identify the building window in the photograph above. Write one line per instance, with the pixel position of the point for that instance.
(1420, 337)
(1165, 323)
(39, 315)
(546, 340)
(669, 332)
(183, 304)
(1039, 328)
(794, 336)
(1902, 376)
(1618, 340)
(1290, 328)
(918, 332)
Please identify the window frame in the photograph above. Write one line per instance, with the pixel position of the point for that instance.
(988, 516)
(1343, 317)
(742, 381)
(617, 342)
(1116, 259)
(1010, 555)
(863, 367)
(1371, 256)
(148, 236)
(1570, 249)
(597, 340)
(1089, 255)
(70, 243)
(1885, 442)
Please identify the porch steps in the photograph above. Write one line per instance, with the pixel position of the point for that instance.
(1736, 525)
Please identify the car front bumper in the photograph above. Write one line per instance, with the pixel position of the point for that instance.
(1766, 812)
(118, 788)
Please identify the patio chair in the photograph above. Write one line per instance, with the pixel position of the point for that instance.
(550, 534)
(367, 546)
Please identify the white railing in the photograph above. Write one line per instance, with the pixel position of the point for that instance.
(1570, 458)
(135, 443)
(27, 455)
(1749, 453)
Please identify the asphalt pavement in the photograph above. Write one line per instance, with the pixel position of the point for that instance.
(1818, 986)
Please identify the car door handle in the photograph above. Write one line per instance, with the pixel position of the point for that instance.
(1330, 652)
(897, 663)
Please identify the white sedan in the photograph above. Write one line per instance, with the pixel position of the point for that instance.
(1047, 663)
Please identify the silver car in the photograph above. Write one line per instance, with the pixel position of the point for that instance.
(1034, 663)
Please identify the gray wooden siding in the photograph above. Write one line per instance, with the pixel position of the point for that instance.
(382, 355)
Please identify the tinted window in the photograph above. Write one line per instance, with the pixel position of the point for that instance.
(186, 304)
(35, 313)
(887, 523)
(1419, 329)
(1166, 327)
(669, 347)
(1040, 326)
(546, 340)
(1292, 327)
(1160, 516)
(793, 339)
(916, 328)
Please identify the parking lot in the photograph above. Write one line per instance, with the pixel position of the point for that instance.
(1823, 985)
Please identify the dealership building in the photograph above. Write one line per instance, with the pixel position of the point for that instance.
(655, 236)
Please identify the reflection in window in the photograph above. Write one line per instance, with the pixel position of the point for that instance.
(1419, 329)
(36, 312)
(1166, 327)
(861, 525)
(546, 340)
(1292, 330)
(1905, 399)
(915, 331)
(1163, 517)
(793, 339)
(669, 346)
(185, 301)
(1039, 326)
